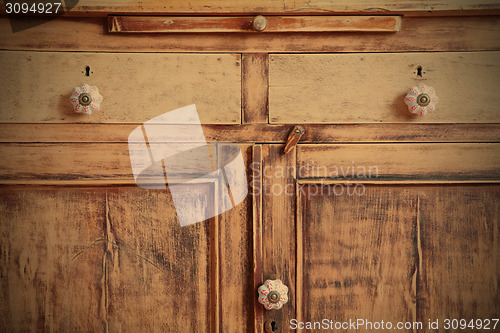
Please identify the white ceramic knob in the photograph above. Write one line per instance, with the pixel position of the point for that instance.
(86, 99)
(273, 294)
(421, 99)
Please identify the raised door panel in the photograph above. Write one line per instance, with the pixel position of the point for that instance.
(460, 257)
(52, 249)
(401, 254)
(158, 273)
(370, 88)
(36, 86)
(359, 257)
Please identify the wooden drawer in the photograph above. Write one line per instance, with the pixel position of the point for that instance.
(36, 86)
(369, 88)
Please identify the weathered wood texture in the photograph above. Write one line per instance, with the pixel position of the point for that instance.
(255, 85)
(401, 253)
(52, 247)
(96, 259)
(314, 133)
(369, 88)
(257, 246)
(372, 162)
(102, 8)
(460, 264)
(157, 271)
(417, 34)
(36, 86)
(235, 261)
(87, 163)
(164, 24)
(39, 162)
(278, 226)
(359, 254)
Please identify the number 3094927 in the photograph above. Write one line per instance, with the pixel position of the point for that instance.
(32, 8)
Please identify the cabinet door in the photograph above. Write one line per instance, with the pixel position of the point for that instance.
(87, 252)
(397, 233)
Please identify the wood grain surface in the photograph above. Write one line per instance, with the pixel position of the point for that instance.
(255, 85)
(278, 227)
(102, 8)
(401, 253)
(417, 34)
(52, 248)
(370, 88)
(359, 255)
(235, 261)
(419, 162)
(157, 271)
(36, 86)
(252, 133)
(460, 264)
(201, 24)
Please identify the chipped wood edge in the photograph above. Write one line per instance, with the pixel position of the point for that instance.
(258, 275)
(255, 88)
(215, 296)
(299, 259)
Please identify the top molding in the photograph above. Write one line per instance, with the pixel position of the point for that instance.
(288, 7)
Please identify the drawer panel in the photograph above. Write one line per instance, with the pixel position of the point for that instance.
(369, 88)
(427, 162)
(36, 86)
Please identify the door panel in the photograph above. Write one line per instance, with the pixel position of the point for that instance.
(52, 248)
(158, 272)
(460, 254)
(400, 253)
(359, 255)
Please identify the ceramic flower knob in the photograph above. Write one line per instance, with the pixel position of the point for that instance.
(273, 294)
(421, 99)
(86, 99)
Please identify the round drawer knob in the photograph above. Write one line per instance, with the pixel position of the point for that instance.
(273, 294)
(259, 23)
(421, 99)
(86, 99)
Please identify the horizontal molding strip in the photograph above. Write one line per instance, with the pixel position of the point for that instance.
(418, 34)
(252, 133)
(245, 24)
(379, 163)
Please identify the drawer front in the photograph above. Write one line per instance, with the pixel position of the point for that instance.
(36, 86)
(370, 88)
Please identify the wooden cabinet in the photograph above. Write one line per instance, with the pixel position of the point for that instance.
(375, 214)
